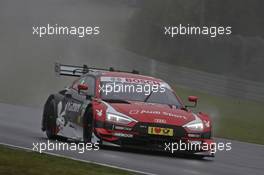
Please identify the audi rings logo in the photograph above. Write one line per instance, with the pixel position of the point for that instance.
(157, 120)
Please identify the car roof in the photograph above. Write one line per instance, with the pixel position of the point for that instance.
(134, 77)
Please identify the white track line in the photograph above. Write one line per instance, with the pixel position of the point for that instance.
(80, 160)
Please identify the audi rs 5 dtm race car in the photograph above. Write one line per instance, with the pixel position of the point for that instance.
(125, 109)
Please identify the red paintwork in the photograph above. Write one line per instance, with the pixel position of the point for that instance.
(146, 112)
(83, 87)
(193, 99)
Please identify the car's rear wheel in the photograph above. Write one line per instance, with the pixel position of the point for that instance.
(88, 124)
(51, 120)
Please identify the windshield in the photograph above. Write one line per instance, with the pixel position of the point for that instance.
(138, 92)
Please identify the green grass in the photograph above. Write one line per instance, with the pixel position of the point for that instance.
(18, 162)
(232, 118)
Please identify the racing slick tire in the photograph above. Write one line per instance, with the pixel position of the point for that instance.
(51, 116)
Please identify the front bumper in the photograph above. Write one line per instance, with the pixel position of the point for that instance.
(138, 137)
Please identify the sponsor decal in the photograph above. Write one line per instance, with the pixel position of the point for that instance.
(142, 81)
(143, 126)
(174, 115)
(150, 112)
(134, 111)
(73, 107)
(160, 131)
(61, 122)
(122, 135)
(130, 80)
(206, 123)
(99, 112)
(123, 128)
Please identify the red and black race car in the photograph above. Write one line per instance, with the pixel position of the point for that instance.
(124, 109)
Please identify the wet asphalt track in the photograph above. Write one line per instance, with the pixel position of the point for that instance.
(20, 126)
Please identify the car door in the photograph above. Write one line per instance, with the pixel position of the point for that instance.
(77, 103)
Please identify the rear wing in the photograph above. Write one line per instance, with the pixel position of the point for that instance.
(77, 71)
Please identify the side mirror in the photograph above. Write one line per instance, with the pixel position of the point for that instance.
(194, 100)
(82, 87)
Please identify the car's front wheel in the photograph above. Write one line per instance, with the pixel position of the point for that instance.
(88, 124)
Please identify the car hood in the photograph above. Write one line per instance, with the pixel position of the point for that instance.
(154, 113)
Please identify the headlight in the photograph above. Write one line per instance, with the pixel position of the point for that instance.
(118, 119)
(195, 126)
